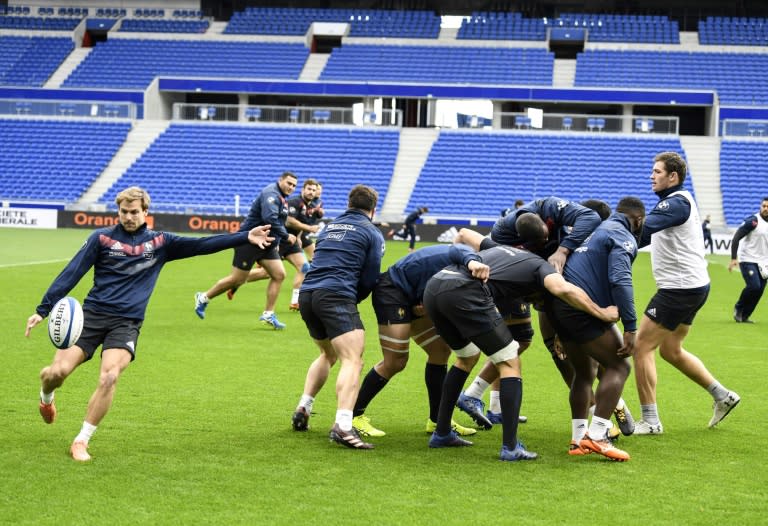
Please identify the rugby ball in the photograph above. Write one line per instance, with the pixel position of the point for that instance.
(65, 322)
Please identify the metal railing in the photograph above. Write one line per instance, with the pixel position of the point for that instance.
(645, 124)
(285, 114)
(68, 108)
(744, 128)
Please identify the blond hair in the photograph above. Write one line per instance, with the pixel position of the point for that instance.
(134, 193)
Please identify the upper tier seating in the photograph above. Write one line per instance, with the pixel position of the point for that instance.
(445, 64)
(623, 28)
(363, 22)
(164, 26)
(55, 160)
(743, 181)
(501, 26)
(738, 78)
(471, 174)
(38, 23)
(739, 31)
(30, 61)
(205, 166)
(133, 63)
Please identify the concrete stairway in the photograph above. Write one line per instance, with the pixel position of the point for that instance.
(703, 154)
(67, 67)
(142, 135)
(314, 66)
(564, 73)
(415, 145)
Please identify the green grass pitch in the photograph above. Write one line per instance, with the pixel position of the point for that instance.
(200, 429)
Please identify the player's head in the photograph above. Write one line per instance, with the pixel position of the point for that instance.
(519, 203)
(287, 183)
(601, 207)
(424, 209)
(310, 189)
(363, 198)
(764, 208)
(533, 230)
(634, 209)
(132, 205)
(669, 169)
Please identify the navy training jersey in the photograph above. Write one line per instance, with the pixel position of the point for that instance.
(347, 257)
(269, 208)
(307, 213)
(411, 272)
(556, 213)
(602, 266)
(126, 267)
(515, 273)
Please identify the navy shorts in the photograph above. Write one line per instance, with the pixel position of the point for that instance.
(247, 255)
(672, 307)
(286, 249)
(462, 311)
(109, 331)
(573, 325)
(390, 304)
(327, 314)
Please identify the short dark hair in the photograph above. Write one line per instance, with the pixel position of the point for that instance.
(602, 208)
(519, 203)
(288, 174)
(363, 198)
(630, 204)
(530, 227)
(673, 162)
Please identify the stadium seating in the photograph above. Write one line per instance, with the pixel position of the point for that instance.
(739, 31)
(363, 22)
(55, 160)
(476, 174)
(501, 26)
(737, 77)
(445, 64)
(141, 60)
(164, 26)
(205, 166)
(30, 61)
(743, 169)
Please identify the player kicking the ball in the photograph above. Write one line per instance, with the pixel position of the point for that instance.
(127, 259)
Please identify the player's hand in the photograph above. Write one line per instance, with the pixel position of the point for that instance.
(610, 314)
(31, 322)
(479, 270)
(628, 349)
(733, 264)
(259, 236)
(557, 259)
(313, 228)
(291, 239)
(558, 349)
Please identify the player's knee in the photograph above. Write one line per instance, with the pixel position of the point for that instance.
(394, 363)
(107, 380)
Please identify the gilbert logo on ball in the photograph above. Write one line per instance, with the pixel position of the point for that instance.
(65, 322)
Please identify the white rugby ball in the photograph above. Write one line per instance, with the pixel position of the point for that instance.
(65, 322)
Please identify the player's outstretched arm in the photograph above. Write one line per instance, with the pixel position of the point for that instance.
(31, 322)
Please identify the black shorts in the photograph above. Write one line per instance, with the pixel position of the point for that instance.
(327, 314)
(573, 325)
(672, 307)
(109, 331)
(286, 249)
(462, 311)
(390, 304)
(247, 255)
(306, 241)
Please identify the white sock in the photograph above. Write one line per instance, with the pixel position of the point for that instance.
(477, 388)
(494, 405)
(591, 410)
(621, 404)
(268, 313)
(295, 296)
(650, 414)
(578, 428)
(717, 391)
(203, 298)
(599, 427)
(344, 419)
(85, 433)
(307, 402)
(46, 398)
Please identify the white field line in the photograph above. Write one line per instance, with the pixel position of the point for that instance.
(30, 263)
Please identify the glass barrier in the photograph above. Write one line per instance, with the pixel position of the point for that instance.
(79, 109)
(643, 124)
(744, 128)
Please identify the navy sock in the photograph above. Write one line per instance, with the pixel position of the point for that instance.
(511, 394)
(454, 383)
(372, 384)
(434, 377)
